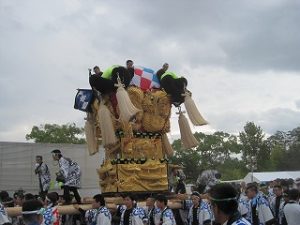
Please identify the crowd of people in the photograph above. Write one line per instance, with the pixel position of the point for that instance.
(223, 204)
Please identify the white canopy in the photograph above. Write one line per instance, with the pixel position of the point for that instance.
(269, 176)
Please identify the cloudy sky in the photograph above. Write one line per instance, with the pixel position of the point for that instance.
(241, 58)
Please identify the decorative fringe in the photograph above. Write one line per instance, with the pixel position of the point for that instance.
(127, 109)
(167, 147)
(192, 111)
(187, 138)
(106, 126)
(90, 135)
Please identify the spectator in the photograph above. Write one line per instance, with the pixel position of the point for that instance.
(292, 208)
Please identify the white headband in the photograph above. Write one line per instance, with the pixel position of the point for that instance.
(39, 212)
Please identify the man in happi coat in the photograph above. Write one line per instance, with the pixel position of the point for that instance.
(152, 212)
(70, 174)
(223, 199)
(51, 214)
(43, 172)
(260, 211)
(102, 214)
(132, 215)
(200, 212)
(167, 217)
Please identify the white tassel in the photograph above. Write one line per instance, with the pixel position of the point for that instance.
(90, 135)
(167, 147)
(127, 109)
(192, 111)
(106, 126)
(187, 138)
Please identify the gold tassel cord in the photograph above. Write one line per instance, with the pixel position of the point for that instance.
(127, 109)
(106, 126)
(192, 111)
(167, 147)
(187, 138)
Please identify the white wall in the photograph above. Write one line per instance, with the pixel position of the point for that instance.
(17, 162)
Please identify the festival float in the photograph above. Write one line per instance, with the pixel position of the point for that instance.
(128, 113)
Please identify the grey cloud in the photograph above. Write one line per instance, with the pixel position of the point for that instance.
(45, 51)
(297, 102)
(282, 119)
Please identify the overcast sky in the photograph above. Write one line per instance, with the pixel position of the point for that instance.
(241, 58)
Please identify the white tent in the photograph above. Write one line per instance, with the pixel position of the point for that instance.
(269, 176)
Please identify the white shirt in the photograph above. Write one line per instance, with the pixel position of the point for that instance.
(292, 213)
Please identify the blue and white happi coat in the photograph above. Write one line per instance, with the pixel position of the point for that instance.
(244, 206)
(44, 175)
(102, 217)
(89, 216)
(167, 217)
(241, 221)
(3, 215)
(71, 172)
(137, 216)
(156, 215)
(204, 213)
(280, 212)
(263, 209)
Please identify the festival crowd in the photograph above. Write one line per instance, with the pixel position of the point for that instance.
(276, 202)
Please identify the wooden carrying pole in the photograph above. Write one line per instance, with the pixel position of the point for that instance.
(70, 209)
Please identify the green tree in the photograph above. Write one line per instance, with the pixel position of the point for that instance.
(255, 150)
(54, 133)
(285, 149)
(213, 151)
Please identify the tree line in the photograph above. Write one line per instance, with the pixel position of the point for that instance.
(233, 155)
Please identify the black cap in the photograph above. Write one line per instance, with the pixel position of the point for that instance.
(196, 193)
(56, 151)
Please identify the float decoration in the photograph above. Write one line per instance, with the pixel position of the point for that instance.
(130, 116)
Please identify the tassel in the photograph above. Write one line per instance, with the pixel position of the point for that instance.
(127, 109)
(90, 135)
(187, 138)
(106, 126)
(167, 147)
(192, 111)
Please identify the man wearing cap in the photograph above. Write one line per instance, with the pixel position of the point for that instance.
(70, 173)
(224, 203)
(199, 213)
(43, 172)
(32, 212)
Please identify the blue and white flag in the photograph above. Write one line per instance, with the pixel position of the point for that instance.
(84, 99)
